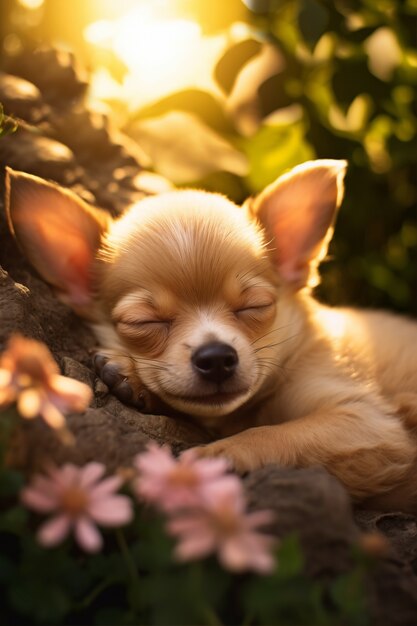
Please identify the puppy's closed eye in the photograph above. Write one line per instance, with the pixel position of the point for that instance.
(143, 323)
(259, 309)
(148, 334)
(255, 318)
(257, 306)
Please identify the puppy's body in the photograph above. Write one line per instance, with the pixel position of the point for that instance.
(208, 306)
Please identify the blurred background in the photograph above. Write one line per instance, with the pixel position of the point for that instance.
(228, 94)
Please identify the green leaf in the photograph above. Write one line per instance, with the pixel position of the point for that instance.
(112, 563)
(230, 185)
(110, 616)
(273, 95)
(273, 150)
(203, 104)
(7, 124)
(312, 20)
(352, 78)
(290, 558)
(14, 520)
(172, 597)
(348, 593)
(11, 482)
(185, 149)
(153, 550)
(7, 569)
(47, 604)
(8, 419)
(233, 60)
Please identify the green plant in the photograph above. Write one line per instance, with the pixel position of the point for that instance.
(7, 124)
(138, 573)
(311, 79)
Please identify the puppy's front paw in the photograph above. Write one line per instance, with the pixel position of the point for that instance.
(238, 450)
(118, 373)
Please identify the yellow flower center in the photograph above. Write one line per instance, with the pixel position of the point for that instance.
(74, 501)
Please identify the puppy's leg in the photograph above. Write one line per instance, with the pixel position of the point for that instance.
(118, 372)
(369, 451)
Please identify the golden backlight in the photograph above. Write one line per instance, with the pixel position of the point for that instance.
(31, 4)
(162, 52)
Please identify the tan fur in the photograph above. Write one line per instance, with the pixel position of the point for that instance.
(314, 385)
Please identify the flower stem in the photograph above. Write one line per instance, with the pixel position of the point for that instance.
(207, 611)
(130, 565)
(211, 616)
(85, 603)
(8, 423)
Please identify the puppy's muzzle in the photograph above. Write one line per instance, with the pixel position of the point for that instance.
(215, 362)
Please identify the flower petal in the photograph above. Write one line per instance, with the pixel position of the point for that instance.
(233, 555)
(195, 547)
(38, 500)
(52, 416)
(150, 491)
(5, 378)
(111, 511)
(47, 486)
(87, 535)
(69, 394)
(91, 473)
(207, 468)
(192, 523)
(29, 403)
(247, 551)
(225, 491)
(106, 487)
(255, 519)
(7, 396)
(54, 531)
(263, 562)
(156, 460)
(68, 474)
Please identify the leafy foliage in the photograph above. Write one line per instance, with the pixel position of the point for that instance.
(7, 124)
(315, 79)
(142, 584)
(306, 79)
(136, 579)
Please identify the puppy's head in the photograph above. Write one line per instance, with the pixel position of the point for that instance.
(195, 287)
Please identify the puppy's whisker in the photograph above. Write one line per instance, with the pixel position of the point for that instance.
(273, 369)
(141, 359)
(274, 345)
(270, 332)
(151, 364)
(159, 368)
(271, 363)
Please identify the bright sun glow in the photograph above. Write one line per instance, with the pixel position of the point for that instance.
(334, 322)
(162, 55)
(31, 4)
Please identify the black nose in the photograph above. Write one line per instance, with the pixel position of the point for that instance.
(215, 361)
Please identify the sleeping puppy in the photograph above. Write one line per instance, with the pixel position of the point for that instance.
(207, 308)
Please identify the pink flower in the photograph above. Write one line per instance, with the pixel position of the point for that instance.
(206, 508)
(80, 499)
(223, 526)
(173, 484)
(30, 377)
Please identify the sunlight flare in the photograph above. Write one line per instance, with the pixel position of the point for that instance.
(31, 4)
(161, 54)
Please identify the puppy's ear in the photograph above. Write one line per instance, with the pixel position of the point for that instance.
(58, 233)
(298, 211)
